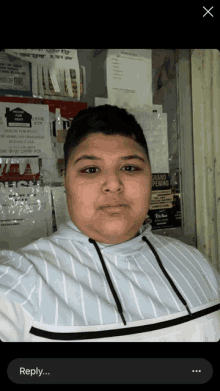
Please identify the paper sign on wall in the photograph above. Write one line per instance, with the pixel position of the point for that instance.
(129, 78)
(154, 127)
(14, 74)
(24, 130)
(55, 65)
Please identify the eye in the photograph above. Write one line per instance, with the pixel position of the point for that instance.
(85, 170)
(89, 168)
(137, 168)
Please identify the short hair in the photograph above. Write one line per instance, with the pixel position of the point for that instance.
(105, 119)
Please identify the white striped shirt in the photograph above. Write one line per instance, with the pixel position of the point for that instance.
(58, 284)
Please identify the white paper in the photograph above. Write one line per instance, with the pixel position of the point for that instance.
(14, 74)
(40, 80)
(129, 78)
(8, 163)
(34, 80)
(57, 58)
(25, 214)
(68, 82)
(154, 126)
(30, 136)
(22, 165)
(60, 205)
(52, 59)
(2, 162)
(34, 164)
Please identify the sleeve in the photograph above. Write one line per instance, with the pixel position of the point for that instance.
(18, 302)
(215, 275)
(14, 322)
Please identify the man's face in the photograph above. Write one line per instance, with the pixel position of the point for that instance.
(91, 185)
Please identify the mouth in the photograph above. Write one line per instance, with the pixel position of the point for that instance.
(114, 208)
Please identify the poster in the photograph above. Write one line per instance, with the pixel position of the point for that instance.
(24, 130)
(165, 205)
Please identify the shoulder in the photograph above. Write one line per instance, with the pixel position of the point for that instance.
(179, 251)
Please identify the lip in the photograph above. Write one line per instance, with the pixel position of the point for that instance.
(114, 209)
(113, 206)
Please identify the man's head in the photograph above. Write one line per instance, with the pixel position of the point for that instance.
(110, 134)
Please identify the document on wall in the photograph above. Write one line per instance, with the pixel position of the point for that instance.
(154, 127)
(129, 78)
(14, 74)
(60, 66)
(24, 130)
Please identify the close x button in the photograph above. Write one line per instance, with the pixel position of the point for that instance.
(208, 12)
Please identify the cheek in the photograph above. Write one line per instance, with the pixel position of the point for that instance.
(135, 190)
(139, 190)
(83, 195)
(88, 196)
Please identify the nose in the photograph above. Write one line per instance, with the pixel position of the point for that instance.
(113, 184)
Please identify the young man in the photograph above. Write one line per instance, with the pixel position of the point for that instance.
(103, 276)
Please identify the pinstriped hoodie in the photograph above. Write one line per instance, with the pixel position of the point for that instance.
(67, 287)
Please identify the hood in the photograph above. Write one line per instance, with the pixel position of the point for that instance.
(68, 230)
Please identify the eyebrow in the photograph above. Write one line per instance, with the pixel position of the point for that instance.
(92, 157)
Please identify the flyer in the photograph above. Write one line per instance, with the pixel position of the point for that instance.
(154, 127)
(24, 130)
(129, 78)
(165, 205)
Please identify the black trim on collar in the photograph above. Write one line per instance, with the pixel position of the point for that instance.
(124, 331)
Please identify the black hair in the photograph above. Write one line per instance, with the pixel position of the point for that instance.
(105, 119)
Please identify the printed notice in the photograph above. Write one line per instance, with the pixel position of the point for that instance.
(14, 73)
(24, 130)
(50, 68)
(129, 76)
(154, 126)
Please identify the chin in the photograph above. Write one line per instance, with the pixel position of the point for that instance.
(118, 232)
(114, 227)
